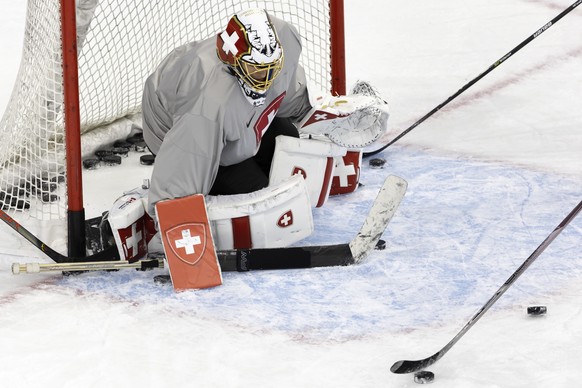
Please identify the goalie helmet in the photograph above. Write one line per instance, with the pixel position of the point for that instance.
(251, 48)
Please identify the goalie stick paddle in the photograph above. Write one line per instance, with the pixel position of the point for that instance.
(383, 209)
(476, 79)
(407, 366)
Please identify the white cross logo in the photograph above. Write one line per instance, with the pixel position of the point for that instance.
(229, 42)
(285, 219)
(132, 242)
(188, 242)
(320, 116)
(343, 172)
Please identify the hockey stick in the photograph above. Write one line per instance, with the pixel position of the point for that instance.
(379, 215)
(107, 254)
(406, 366)
(474, 80)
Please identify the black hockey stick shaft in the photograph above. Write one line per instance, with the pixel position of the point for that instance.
(407, 366)
(233, 260)
(476, 79)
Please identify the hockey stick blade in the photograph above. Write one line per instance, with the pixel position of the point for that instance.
(382, 211)
(242, 260)
(408, 366)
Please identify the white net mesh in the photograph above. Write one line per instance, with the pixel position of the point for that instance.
(120, 43)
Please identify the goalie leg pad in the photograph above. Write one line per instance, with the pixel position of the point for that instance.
(188, 244)
(275, 216)
(346, 176)
(312, 159)
(131, 225)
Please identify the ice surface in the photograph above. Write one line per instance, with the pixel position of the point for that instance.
(490, 176)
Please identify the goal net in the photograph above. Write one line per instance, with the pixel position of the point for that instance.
(119, 43)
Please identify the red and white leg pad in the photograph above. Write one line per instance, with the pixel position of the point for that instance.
(310, 158)
(131, 225)
(188, 243)
(346, 174)
(275, 216)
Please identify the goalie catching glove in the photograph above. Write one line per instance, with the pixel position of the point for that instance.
(353, 121)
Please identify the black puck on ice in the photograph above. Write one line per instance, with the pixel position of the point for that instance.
(423, 377)
(147, 160)
(537, 310)
(120, 151)
(100, 154)
(380, 245)
(162, 279)
(91, 163)
(377, 162)
(111, 160)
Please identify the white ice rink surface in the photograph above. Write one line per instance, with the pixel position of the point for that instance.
(490, 176)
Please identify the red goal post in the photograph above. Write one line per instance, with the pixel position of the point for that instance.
(79, 88)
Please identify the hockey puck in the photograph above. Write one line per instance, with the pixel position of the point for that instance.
(112, 160)
(140, 146)
(423, 377)
(377, 163)
(135, 138)
(103, 154)
(121, 151)
(147, 160)
(162, 279)
(122, 144)
(91, 163)
(537, 310)
(49, 198)
(380, 245)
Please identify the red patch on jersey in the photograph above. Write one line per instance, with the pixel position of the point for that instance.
(267, 117)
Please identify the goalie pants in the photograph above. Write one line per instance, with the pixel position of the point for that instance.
(253, 174)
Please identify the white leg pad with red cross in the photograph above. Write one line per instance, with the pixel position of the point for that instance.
(346, 174)
(131, 225)
(310, 158)
(275, 216)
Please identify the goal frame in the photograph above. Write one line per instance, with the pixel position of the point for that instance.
(75, 211)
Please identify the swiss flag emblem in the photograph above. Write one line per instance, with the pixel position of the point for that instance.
(286, 219)
(187, 242)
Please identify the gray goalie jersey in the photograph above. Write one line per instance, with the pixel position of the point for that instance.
(196, 117)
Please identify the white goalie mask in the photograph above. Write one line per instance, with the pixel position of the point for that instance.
(249, 45)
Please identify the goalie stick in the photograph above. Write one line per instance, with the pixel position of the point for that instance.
(241, 260)
(407, 366)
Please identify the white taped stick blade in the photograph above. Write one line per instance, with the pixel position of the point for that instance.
(383, 209)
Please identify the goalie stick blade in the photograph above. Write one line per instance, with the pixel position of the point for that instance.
(382, 211)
